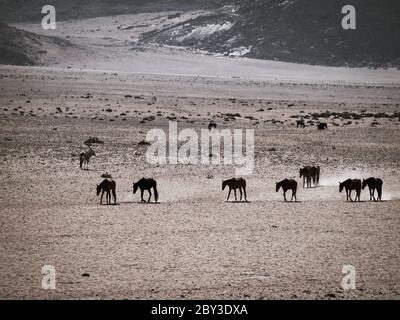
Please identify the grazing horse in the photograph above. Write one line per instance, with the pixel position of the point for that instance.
(373, 184)
(212, 125)
(106, 186)
(287, 184)
(311, 175)
(235, 183)
(322, 126)
(350, 185)
(146, 184)
(84, 158)
(300, 123)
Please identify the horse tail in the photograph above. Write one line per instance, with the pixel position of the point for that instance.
(155, 192)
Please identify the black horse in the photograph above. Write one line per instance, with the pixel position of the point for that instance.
(350, 185)
(146, 184)
(300, 123)
(288, 184)
(235, 183)
(322, 126)
(310, 175)
(373, 184)
(107, 186)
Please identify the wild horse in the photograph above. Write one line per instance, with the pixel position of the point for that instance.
(287, 184)
(146, 184)
(350, 185)
(373, 184)
(233, 184)
(107, 186)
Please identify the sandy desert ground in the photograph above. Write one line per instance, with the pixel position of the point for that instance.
(193, 244)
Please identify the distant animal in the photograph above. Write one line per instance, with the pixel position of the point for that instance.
(109, 187)
(301, 123)
(233, 184)
(350, 185)
(146, 184)
(287, 184)
(311, 175)
(212, 125)
(84, 158)
(322, 126)
(373, 184)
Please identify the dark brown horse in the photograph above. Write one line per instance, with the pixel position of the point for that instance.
(322, 126)
(373, 184)
(300, 123)
(107, 186)
(310, 175)
(288, 184)
(350, 185)
(84, 158)
(146, 184)
(235, 183)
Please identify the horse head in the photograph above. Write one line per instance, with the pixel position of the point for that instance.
(278, 185)
(98, 189)
(364, 184)
(301, 172)
(341, 185)
(135, 187)
(224, 184)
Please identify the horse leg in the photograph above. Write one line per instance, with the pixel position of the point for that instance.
(108, 197)
(235, 195)
(141, 195)
(101, 197)
(241, 194)
(245, 195)
(347, 195)
(294, 195)
(350, 191)
(373, 193)
(149, 195)
(229, 194)
(284, 195)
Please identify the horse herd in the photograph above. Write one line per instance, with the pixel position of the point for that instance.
(310, 175)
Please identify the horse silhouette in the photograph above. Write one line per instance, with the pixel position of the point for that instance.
(287, 184)
(84, 158)
(350, 185)
(235, 183)
(300, 123)
(310, 175)
(146, 184)
(107, 186)
(322, 126)
(373, 184)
